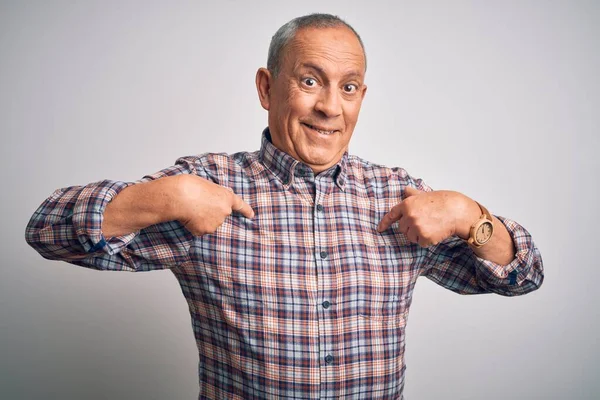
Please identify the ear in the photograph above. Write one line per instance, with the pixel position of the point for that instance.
(364, 91)
(263, 87)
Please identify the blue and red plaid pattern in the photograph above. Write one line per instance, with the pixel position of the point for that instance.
(306, 300)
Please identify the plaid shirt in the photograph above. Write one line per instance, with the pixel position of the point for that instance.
(306, 300)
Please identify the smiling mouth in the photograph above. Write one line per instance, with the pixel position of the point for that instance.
(321, 131)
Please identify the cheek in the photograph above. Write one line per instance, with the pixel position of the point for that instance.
(300, 103)
(351, 112)
(282, 100)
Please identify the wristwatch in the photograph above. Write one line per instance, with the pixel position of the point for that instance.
(482, 230)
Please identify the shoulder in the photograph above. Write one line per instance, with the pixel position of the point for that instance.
(377, 175)
(222, 167)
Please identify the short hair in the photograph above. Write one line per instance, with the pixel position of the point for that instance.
(287, 33)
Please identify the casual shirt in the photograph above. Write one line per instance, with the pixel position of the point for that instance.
(306, 300)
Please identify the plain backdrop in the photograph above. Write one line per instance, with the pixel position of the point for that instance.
(497, 99)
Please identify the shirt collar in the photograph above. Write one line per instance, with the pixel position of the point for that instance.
(285, 167)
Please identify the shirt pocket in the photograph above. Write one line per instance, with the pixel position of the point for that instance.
(386, 272)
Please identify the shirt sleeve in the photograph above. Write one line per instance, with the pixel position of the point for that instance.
(67, 227)
(455, 266)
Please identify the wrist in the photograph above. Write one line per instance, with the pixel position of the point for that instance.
(468, 213)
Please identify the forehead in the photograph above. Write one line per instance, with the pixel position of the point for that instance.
(336, 48)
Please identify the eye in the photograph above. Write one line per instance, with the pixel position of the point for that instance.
(350, 88)
(310, 82)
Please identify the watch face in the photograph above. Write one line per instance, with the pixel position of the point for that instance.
(484, 232)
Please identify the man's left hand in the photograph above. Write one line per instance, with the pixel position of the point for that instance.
(428, 218)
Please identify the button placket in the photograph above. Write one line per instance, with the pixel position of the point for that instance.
(326, 314)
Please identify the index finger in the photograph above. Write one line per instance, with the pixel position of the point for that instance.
(240, 206)
(392, 216)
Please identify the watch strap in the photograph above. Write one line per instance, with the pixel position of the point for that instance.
(484, 211)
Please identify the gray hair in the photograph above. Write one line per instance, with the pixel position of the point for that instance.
(287, 32)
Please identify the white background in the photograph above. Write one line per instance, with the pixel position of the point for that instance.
(498, 100)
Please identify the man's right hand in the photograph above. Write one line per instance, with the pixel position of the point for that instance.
(202, 206)
(199, 204)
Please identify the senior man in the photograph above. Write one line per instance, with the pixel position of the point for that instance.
(298, 261)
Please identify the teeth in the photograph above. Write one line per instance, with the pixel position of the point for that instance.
(320, 131)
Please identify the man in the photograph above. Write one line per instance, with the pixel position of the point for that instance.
(298, 261)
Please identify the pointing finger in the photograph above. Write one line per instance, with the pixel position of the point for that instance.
(240, 206)
(392, 216)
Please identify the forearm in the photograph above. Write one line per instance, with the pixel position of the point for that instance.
(141, 205)
(91, 225)
(500, 249)
(508, 264)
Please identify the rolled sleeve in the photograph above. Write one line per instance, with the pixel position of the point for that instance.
(455, 266)
(525, 270)
(88, 214)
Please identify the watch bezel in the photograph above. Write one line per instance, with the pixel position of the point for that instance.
(482, 223)
(485, 218)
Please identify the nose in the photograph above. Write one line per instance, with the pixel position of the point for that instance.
(329, 102)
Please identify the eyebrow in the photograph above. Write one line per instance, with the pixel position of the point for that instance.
(321, 71)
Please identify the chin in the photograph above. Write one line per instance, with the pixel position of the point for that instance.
(322, 163)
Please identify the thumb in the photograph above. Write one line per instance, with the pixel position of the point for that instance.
(411, 191)
(240, 206)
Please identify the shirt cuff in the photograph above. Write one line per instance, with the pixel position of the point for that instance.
(88, 215)
(515, 272)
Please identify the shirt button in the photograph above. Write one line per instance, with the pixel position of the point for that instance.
(326, 304)
(329, 359)
(323, 254)
(320, 207)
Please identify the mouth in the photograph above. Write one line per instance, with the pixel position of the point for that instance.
(321, 130)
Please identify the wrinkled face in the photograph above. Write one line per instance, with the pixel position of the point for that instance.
(315, 99)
